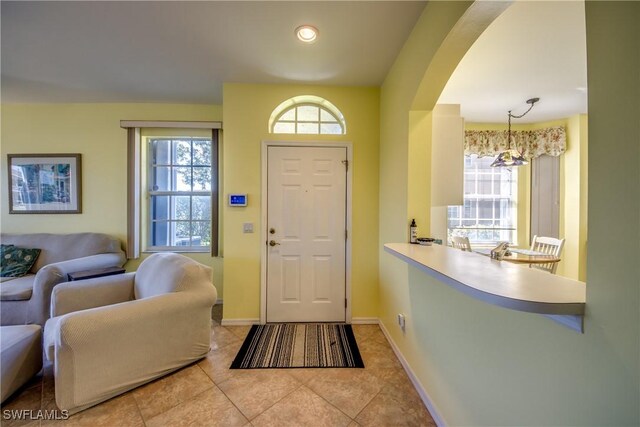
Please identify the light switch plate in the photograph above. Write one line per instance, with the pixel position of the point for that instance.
(247, 227)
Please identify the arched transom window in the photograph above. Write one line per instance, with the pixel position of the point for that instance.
(307, 114)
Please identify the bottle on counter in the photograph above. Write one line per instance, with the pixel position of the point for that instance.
(413, 232)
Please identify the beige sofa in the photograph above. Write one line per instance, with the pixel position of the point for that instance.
(20, 356)
(26, 300)
(111, 334)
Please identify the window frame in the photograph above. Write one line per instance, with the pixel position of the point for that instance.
(321, 104)
(319, 122)
(134, 178)
(153, 167)
(477, 197)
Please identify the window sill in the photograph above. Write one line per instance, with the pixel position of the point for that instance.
(499, 283)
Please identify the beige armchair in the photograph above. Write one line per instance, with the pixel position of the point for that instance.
(114, 333)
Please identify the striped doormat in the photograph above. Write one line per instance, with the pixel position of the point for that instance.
(298, 345)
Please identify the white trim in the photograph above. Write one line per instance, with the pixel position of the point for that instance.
(365, 321)
(240, 322)
(428, 402)
(263, 223)
(219, 301)
(169, 124)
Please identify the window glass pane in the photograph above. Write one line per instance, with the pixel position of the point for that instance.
(181, 152)
(326, 116)
(181, 207)
(485, 209)
(202, 178)
(181, 179)
(201, 207)
(202, 153)
(468, 163)
(161, 178)
(284, 128)
(330, 129)
(160, 233)
(308, 128)
(497, 184)
(469, 183)
(160, 207)
(201, 233)
(308, 113)
(289, 115)
(484, 184)
(181, 231)
(161, 151)
(453, 216)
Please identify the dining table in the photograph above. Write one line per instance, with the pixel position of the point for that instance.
(522, 256)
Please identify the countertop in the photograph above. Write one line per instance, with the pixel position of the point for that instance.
(496, 282)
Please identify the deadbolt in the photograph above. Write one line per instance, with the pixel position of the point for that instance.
(273, 243)
(272, 231)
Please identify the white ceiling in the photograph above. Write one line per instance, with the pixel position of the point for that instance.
(182, 52)
(534, 49)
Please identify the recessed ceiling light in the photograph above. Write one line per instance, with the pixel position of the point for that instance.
(307, 33)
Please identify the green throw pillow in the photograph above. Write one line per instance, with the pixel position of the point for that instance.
(5, 248)
(16, 262)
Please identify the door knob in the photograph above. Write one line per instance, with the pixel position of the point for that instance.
(273, 243)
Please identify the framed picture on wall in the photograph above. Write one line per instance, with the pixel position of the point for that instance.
(44, 183)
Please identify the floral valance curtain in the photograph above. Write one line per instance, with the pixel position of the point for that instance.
(531, 143)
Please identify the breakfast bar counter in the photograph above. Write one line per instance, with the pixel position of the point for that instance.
(500, 283)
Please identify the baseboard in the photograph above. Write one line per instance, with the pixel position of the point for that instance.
(240, 322)
(435, 414)
(365, 321)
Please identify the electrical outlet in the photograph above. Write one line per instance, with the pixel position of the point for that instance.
(401, 321)
(247, 227)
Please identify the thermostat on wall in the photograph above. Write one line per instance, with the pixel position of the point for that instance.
(237, 200)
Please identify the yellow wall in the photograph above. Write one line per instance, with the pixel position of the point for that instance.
(419, 138)
(247, 109)
(574, 200)
(92, 130)
(486, 365)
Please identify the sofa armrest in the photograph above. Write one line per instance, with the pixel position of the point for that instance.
(82, 295)
(90, 263)
(138, 340)
(51, 275)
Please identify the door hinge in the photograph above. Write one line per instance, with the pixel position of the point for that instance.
(346, 164)
(346, 234)
(345, 303)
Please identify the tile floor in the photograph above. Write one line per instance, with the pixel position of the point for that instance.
(207, 393)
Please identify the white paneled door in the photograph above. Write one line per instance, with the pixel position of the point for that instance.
(306, 234)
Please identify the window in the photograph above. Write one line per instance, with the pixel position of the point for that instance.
(489, 213)
(307, 115)
(180, 196)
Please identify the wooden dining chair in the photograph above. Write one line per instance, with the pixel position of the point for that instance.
(550, 246)
(461, 243)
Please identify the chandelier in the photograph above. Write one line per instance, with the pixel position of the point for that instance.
(513, 157)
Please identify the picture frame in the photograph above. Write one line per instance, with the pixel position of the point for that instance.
(45, 183)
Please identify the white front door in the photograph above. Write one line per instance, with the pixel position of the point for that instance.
(306, 234)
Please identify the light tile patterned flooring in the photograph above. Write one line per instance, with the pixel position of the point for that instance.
(207, 393)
